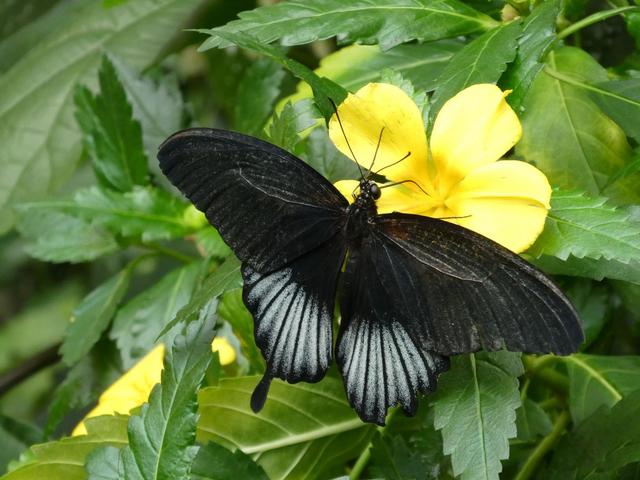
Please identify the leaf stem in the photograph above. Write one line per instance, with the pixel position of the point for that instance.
(595, 18)
(530, 466)
(553, 379)
(28, 367)
(169, 252)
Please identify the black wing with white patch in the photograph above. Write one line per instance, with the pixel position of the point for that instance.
(381, 361)
(293, 315)
(269, 206)
(460, 292)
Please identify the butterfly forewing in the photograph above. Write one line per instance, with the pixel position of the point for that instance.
(269, 206)
(497, 301)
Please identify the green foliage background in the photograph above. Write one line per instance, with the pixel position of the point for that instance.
(91, 230)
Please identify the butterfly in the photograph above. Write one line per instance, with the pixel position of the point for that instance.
(414, 290)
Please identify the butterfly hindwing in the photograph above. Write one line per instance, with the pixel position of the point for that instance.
(269, 206)
(460, 291)
(293, 312)
(382, 362)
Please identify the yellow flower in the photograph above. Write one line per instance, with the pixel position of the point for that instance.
(459, 178)
(134, 387)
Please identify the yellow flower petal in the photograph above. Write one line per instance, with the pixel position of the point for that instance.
(365, 113)
(130, 390)
(506, 201)
(226, 352)
(474, 128)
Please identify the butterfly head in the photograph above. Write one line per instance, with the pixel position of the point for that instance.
(369, 189)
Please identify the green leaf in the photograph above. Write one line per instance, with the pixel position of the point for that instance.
(324, 90)
(157, 105)
(162, 436)
(139, 322)
(326, 159)
(532, 421)
(596, 380)
(565, 133)
(592, 301)
(15, 438)
(387, 22)
(93, 315)
(620, 99)
(588, 228)
(112, 136)
(292, 120)
(302, 431)
(590, 268)
(538, 33)
(64, 459)
(214, 462)
(257, 92)
(226, 277)
(481, 61)
(211, 243)
(356, 65)
(56, 236)
(234, 311)
(475, 408)
(41, 144)
(604, 442)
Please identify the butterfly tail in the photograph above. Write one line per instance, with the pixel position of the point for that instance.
(259, 395)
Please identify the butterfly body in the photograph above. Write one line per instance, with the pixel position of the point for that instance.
(414, 290)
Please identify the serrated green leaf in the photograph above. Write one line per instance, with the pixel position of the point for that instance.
(538, 32)
(56, 236)
(111, 135)
(592, 301)
(596, 380)
(356, 65)
(226, 277)
(565, 133)
(162, 436)
(387, 22)
(104, 463)
(303, 429)
(393, 459)
(157, 105)
(292, 120)
(475, 408)
(64, 459)
(532, 421)
(588, 227)
(139, 322)
(257, 92)
(326, 159)
(324, 90)
(93, 315)
(41, 144)
(234, 311)
(214, 462)
(604, 442)
(481, 61)
(589, 268)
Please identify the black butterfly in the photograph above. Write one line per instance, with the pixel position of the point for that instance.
(414, 291)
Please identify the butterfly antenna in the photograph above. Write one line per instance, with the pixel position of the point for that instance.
(375, 154)
(386, 185)
(335, 109)
(394, 163)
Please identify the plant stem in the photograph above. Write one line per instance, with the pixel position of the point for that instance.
(530, 466)
(169, 252)
(595, 18)
(365, 456)
(25, 369)
(553, 379)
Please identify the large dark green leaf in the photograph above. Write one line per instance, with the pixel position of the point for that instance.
(326, 159)
(40, 140)
(582, 228)
(481, 61)
(112, 136)
(597, 380)
(139, 322)
(620, 99)
(475, 408)
(214, 462)
(303, 429)
(531, 421)
(15, 438)
(387, 22)
(566, 134)
(162, 436)
(604, 442)
(257, 93)
(93, 316)
(64, 459)
(538, 33)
